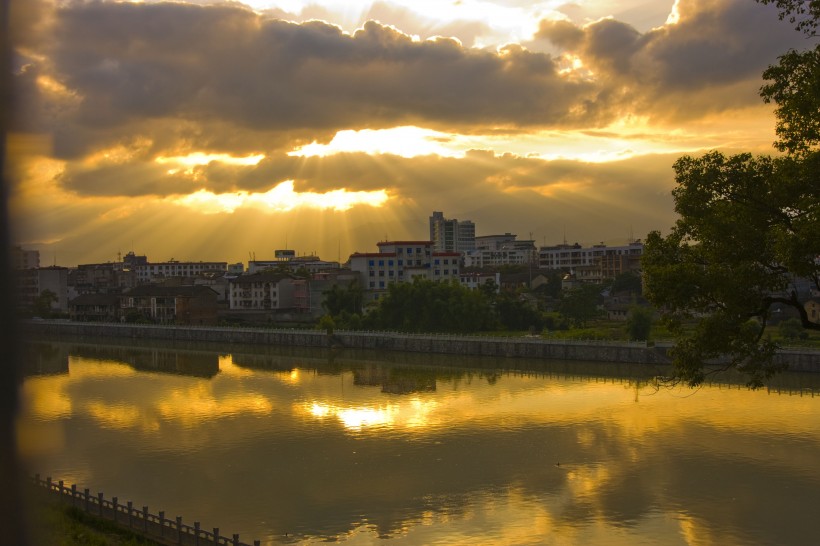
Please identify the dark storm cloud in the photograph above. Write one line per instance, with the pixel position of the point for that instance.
(168, 79)
(684, 70)
(128, 62)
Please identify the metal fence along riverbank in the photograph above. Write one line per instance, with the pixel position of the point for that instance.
(468, 345)
(157, 527)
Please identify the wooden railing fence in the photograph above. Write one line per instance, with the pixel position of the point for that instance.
(157, 527)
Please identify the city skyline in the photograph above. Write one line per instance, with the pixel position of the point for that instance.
(198, 131)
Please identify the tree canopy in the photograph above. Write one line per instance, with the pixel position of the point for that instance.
(748, 233)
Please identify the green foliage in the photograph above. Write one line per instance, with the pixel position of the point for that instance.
(628, 281)
(42, 304)
(580, 304)
(747, 226)
(792, 329)
(514, 314)
(795, 88)
(327, 324)
(804, 14)
(639, 323)
(340, 299)
(56, 524)
(427, 306)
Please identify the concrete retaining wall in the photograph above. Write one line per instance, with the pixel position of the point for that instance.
(592, 351)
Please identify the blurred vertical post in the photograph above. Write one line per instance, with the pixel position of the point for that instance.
(11, 507)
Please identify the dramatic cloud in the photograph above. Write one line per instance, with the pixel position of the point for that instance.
(152, 106)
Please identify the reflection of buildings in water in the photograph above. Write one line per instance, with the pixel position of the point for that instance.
(43, 359)
(176, 362)
(395, 380)
(197, 364)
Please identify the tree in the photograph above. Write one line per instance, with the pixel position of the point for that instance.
(42, 303)
(338, 299)
(639, 323)
(628, 281)
(749, 229)
(428, 306)
(580, 304)
(795, 82)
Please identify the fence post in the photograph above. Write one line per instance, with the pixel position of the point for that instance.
(256, 543)
(179, 529)
(236, 539)
(162, 523)
(216, 535)
(196, 533)
(130, 507)
(48, 483)
(114, 504)
(100, 502)
(73, 494)
(61, 490)
(144, 519)
(87, 503)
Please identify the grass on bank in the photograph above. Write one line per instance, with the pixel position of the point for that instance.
(54, 523)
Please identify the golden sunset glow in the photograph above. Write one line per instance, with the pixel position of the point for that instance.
(343, 122)
(281, 198)
(400, 141)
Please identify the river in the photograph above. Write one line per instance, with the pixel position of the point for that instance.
(310, 446)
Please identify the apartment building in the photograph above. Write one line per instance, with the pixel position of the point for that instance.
(24, 259)
(596, 263)
(402, 261)
(451, 235)
(171, 304)
(33, 282)
(261, 292)
(498, 250)
(151, 272)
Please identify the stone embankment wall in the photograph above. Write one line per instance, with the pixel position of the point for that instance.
(391, 341)
(518, 347)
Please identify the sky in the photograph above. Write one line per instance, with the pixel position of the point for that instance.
(221, 131)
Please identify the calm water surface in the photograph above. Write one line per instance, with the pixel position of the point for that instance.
(307, 447)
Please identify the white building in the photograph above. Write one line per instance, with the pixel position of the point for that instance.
(261, 291)
(451, 235)
(497, 250)
(610, 258)
(402, 261)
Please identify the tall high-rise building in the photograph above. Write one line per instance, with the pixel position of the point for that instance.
(451, 235)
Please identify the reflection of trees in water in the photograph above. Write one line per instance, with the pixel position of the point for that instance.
(202, 360)
(43, 359)
(164, 360)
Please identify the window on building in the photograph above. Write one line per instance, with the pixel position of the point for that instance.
(436, 261)
(371, 273)
(381, 273)
(372, 284)
(381, 284)
(409, 250)
(381, 263)
(371, 263)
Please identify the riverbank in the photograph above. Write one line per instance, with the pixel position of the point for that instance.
(521, 347)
